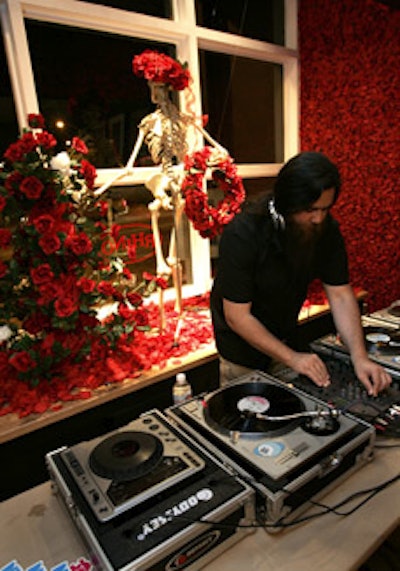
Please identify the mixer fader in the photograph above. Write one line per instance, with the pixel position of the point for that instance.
(347, 393)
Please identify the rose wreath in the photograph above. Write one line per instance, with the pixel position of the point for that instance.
(209, 220)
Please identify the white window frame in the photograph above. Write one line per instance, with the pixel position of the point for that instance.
(182, 31)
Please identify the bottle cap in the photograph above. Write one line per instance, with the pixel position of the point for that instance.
(181, 378)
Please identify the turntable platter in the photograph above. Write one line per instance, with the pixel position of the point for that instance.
(234, 408)
(382, 338)
(126, 456)
(394, 310)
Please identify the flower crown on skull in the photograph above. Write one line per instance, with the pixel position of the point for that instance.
(160, 68)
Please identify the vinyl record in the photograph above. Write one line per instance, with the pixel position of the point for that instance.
(394, 310)
(126, 456)
(234, 408)
(382, 339)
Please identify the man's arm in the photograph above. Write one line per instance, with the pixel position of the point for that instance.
(240, 319)
(346, 315)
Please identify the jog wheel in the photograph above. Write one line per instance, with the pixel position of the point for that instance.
(126, 456)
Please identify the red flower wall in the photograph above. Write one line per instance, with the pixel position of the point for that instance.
(350, 110)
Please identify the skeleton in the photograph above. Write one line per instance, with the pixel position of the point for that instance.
(165, 133)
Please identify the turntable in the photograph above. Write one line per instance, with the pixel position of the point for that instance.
(288, 445)
(145, 497)
(389, 314)
(122, 470)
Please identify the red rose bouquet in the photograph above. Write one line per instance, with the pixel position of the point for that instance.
(54, 276)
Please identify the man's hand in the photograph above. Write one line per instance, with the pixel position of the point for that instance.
(373, 376)
(312, 366)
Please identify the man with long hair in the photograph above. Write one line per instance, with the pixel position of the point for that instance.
(268, 256)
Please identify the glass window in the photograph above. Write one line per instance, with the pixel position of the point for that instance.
(257, 188)
(8, 121)
(102, 101)
(258, 20)
(84, 86)
(160, 8)
(89, 89)
(243, 100)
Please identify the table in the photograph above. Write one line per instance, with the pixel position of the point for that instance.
(33, 527)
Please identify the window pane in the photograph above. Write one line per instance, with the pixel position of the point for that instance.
(257, 20)
(243, 99)
(160, 8)
(258, 188)
(102, 101)
(90, 86)
(8, 121)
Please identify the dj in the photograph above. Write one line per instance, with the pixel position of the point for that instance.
(268, 255)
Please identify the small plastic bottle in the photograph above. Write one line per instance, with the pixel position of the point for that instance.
(181, 390)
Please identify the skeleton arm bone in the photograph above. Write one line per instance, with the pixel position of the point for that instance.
(128, 168)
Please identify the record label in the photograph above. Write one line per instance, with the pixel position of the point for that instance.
(377, 337)
(269, 449)
(253, 403)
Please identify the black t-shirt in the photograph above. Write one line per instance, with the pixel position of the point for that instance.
(252, 267)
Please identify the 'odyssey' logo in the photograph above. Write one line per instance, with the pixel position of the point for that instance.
(204, 495)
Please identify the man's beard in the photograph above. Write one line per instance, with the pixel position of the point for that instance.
(300, 246)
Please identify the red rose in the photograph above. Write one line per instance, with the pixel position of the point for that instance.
(4, 365)
(126, 313)
(5, 237)
(106, 288)
(79, 244)
(3, 203)
(48, 291)
(13, 181)
(88, 321)
(65, 306)
(46, 347)
(86, 285)
(14, 153)
(79, 146)
(22, 361)
(141, 317)
(73, 342)
(161, 282)
(134, 298)
(127, 273)
(32, 187)
(46, 140)
(27, 143)
(36, 121)
(89, 173)
(41, 274)
(36, 323)
(44, 223)
(50, 243)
